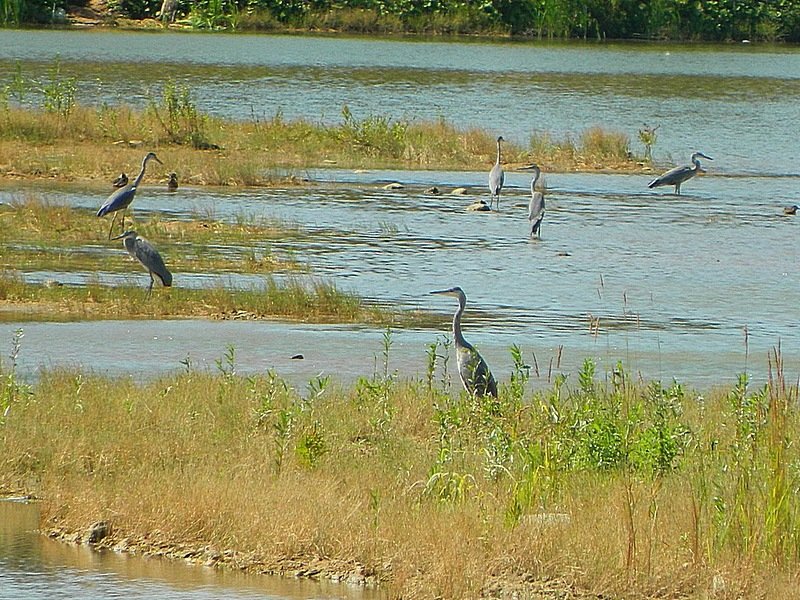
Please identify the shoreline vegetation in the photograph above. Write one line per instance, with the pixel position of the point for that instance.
(586, 486)
(39, 236)
(527, 19)
(64, 141)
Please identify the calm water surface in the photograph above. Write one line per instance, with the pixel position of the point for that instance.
(33, 567)
(732, 102)
(665, 283)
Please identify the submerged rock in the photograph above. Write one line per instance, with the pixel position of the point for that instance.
(479, 206)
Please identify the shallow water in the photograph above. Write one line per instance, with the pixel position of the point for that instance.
(732, 102)
(35, 567)
(665, 283)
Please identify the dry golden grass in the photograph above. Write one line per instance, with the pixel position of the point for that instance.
(96, 144)
(312, 301)
(345, 480)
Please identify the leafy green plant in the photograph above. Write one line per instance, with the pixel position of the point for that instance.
(179, 117)
(59, 92)
(373, 134)
(311, 446)
(648, 137)
(214, 14)
(12, 390)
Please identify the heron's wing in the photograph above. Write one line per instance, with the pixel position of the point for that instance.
(536, 206)
(673, 176)
(152, 261)
(475, 373)
(496, 178)
(119, 199)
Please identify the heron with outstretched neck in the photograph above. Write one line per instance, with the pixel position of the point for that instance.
(496, 177)
(679, 175)
(143, 251)
(122, 198)
(473, 370)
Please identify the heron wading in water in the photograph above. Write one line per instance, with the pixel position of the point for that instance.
(143, 251)
(496, 177)
(473, 370)
(536, 204)
(122, 198)
(678, 175)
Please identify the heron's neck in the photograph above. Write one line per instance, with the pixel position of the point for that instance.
(130, 245)
(535, 179)
(139, 177)
(498, 152)
(457, 336)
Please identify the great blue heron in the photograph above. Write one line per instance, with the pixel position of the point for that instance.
(172, 182)
(121, 199)
(536, 204)
(678, 175)
(496, 177)
(120, 181)
(473, 370)
(143, 251)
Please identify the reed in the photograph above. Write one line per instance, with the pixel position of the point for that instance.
(96, 143)
(40, 235)
(292, 299)
(315, 301)
(591, 487)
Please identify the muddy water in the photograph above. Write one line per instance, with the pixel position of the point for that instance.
(667, 284)
(730, 101)
(34, 567)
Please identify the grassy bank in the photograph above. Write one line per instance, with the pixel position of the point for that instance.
(584, 488)
(95, 144)
(316, 302)
(36, 235)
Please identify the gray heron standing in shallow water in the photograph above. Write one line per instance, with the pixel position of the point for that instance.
(121, 198)
(496, 177)
(536, 204)
(473, 370)
(680, 174)
(143, 251)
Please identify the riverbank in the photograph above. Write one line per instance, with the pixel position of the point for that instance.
(96, 144)
(588, 488)
(581, 19)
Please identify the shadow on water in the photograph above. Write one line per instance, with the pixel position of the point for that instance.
(34, 567)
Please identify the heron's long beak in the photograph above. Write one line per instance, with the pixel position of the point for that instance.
(121, 235)
(706, 157)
